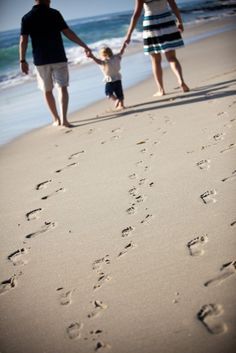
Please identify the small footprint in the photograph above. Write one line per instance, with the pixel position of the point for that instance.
(227, 270)
(53, 193)
(33, 214)
(133, 176)
(8, 285)
(230, 177)
(219, 137)
(208, 316)
(208, 196)
(74, 330)
(46, 227)
(131, 210)
(16, 257)
(101, 345)
(195, 245)
(126, 249)
(66, 167)
(65, 296)
(43, 184)
(203, 164)
(98, 307)
(127, 231)
(101, 280)
(97, 264)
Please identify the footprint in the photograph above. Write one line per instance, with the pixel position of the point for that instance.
(53, 193)
(127, 231)
(97, 264)
(98, 307)
(73, 331)
(101, 345)
(33, 214)
(230, 177)
(230, 147)
(46, 227)
(66, 167)
(126, 248)
(101, 280)
(16, 257)
(133, 191)
(208, 316)
(227, 270)
(76, 154)
(133, 176)
(131, 210)
(195, 245)
(233, 224)
(146, 219)
(8, 285)
(65, 296)
(142, 142)
(43, 184)
(219, 137)
(203, 164)
(208, 196)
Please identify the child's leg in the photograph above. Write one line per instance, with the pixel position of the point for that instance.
(118, 89)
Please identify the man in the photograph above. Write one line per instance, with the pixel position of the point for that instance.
(44, 25)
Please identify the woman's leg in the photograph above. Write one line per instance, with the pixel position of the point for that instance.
(157, 73)
(176, 68)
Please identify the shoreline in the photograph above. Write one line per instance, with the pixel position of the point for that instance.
(119, 235)
(196, 32)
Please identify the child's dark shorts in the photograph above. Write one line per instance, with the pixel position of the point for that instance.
(114, 88)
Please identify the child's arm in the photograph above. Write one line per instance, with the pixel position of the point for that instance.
(122, 49)
(97, 61)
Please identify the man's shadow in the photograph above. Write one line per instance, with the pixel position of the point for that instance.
(196, 95)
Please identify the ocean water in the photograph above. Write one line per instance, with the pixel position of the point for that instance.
(21, 104)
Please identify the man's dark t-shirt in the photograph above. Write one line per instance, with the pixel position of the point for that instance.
(44, 26)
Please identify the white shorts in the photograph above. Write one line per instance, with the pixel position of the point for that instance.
(50, 74)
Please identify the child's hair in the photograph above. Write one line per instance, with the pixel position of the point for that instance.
(106, 52)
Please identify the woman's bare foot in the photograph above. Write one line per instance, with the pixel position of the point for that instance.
(56, 123)
(184, 87)
(159, 93)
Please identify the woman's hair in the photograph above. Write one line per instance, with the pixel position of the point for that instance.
(106, 52)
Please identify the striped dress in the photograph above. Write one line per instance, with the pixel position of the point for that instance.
(160, 33)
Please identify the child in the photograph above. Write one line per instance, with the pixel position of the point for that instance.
(110, 66)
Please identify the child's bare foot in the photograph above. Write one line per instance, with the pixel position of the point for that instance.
(159, 93)
(185, 88)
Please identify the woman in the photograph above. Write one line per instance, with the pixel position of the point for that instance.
(161, 34)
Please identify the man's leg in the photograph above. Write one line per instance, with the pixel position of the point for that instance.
(177, 69)
(64, 101)
(157, 73)
(52, 107)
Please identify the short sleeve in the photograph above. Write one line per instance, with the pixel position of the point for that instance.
(61, 22)
(24, 28)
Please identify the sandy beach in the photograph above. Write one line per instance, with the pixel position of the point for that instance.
(119, 235)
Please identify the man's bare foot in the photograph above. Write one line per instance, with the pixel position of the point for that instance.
(185, 88)
(67, 124)
(117, 103)
(159, 94)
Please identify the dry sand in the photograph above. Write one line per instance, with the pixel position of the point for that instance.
(119, 235)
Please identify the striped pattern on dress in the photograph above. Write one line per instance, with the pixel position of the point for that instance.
(160, 33)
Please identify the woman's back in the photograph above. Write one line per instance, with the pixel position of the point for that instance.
(155, 6)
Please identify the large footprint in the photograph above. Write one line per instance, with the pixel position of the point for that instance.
(227, 270)
(208, 316)
(195, 245)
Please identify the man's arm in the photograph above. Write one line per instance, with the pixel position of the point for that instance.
(22, 53)
(74, 38)
(97, 61)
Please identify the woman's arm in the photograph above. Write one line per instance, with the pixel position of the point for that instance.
(134, 19)
(176, 11)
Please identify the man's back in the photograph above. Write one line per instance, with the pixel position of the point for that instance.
(44, 25)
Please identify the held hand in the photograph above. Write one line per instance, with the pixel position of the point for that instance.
(88, 52)
(24, 67)
(180, 26)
